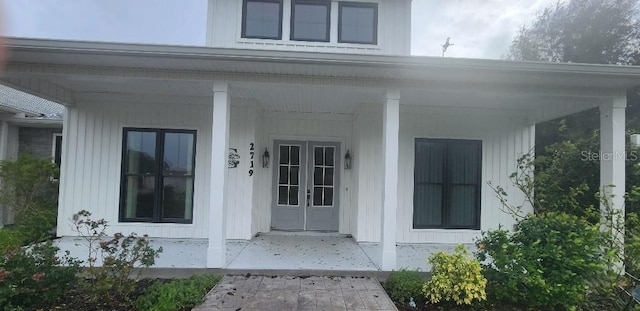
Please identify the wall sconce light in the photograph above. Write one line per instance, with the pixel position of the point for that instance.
(347, 160)
(265, 158)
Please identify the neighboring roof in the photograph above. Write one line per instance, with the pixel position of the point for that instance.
(33, 106)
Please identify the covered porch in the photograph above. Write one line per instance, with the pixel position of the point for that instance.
(374, 106)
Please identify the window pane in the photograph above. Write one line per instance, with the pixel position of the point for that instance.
(329, 153)
(317, 196)
(318, 176)
(293, 173)
(141, 152)
(358, 24)
(139, 198)
(328, 177)
(464, 162)
(284, 175)
(429, 167)
(283, 195)
(463, 206)
(284, 154)
(318, 157)
(295, 155)
(177, 197)
(178, 153)
(293, 195)
(427, 202)
(328, 196)
(57, 158)
(310, 22)
(262, 19)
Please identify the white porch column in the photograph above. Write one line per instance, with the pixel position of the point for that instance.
(216, 251)
(612, 150)
(390, 129)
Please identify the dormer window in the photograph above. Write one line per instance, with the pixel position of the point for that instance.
(262, 19)
(310, 20)
(358, 23)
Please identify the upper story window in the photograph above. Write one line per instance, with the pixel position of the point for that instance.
(262, 19)
(358, 23)
(310, 20)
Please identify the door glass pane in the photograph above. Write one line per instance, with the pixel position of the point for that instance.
(283, 195)
(318, 155)
(328, 177)
(177, 197)
(295, 155)
(329, 153)
(262, 19)
(284, 154)
(310, 22)
(293, 195)
(139, 197)
(284, 175)
(141, 152)
(328, 196)
(317, 196)
(178, 153)
(318, 176)
(293, 175)
(357, 24)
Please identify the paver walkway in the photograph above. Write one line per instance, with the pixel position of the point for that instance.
(244, 293)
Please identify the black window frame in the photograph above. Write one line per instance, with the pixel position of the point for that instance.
(57, 149)
(446, 185)
(159, 176)
(325, 3)
(244, 20)
(343, 4)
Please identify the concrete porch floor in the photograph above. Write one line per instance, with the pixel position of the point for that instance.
(285, 251)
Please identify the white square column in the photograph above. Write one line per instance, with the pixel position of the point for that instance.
(390, 134)
(217, 248)
(612, 152)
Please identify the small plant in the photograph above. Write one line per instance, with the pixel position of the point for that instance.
(112, 260)
(177, 294)
(404, 286)
(35, 276)
(455, 278)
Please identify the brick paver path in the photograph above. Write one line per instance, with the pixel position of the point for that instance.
(244, 293)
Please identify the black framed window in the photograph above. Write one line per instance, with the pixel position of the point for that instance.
(310, 20)
(158, 167)
(358, 22)
(57, 149)
(262, 19)
(447, 176)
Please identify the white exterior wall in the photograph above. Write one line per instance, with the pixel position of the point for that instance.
(312, 127)
(224, 29)
(504, 139)
(92, 156)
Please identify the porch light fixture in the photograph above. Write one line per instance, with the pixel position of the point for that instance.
(347, 160)
(265, 158)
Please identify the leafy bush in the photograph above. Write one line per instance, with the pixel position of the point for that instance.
(112, 280)
(404, 286)
(455, 278)
(34, 276)
(177, 294)
(10, 240)
(547, 263)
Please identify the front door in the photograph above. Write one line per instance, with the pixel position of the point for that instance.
(305, 185)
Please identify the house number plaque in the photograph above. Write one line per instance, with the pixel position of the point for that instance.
(252, 153)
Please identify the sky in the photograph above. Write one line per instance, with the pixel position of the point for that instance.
(478, 28)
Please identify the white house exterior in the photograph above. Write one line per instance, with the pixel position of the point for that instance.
(424, 135)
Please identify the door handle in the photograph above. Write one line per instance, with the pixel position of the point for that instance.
(308, 197)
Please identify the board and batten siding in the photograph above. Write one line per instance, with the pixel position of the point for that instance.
(304, 127)
(224, 27)
(91, 168)
(504, 136)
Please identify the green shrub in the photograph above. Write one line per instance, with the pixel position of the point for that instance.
(10, 240)
(35, 276)
(455, 278)
(177, 294)
(547, 263)
(404, 285)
